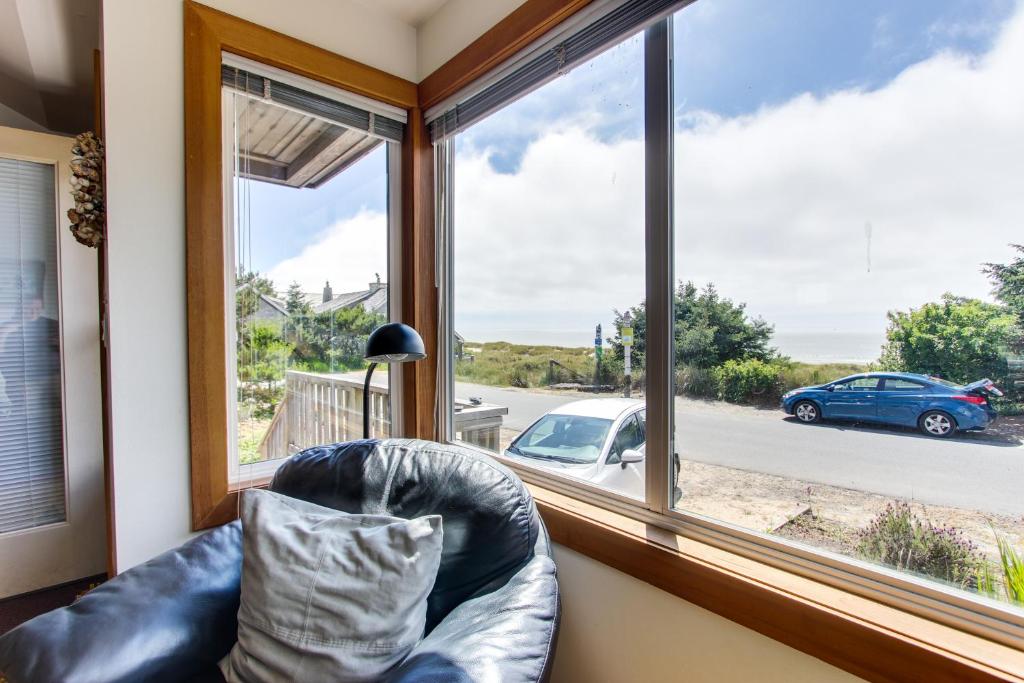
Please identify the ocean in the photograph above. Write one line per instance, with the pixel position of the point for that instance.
(830, 347)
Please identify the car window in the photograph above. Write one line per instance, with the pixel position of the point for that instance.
(893, 384)
(568, 438)
(859, 384)
(642, 416)
(630, 435)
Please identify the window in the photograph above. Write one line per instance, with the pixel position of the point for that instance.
(791, 163)
(815, 158)
(308, 230)
(543, 291)
(31, 415)
(892, 384)
(861, 384)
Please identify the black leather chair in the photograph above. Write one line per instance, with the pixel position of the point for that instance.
(492, 615)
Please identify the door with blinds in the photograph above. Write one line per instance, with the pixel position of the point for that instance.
(51, 464)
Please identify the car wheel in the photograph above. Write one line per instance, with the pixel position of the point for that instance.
(807, 411)
(937, 423)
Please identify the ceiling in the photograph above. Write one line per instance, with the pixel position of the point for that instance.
(46, 63)
(411, 12)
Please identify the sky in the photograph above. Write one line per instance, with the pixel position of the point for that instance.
(833, 161)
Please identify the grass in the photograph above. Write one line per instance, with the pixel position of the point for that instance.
(502, 364)
(796, 374)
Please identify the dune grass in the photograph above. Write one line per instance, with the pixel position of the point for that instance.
(503, 364)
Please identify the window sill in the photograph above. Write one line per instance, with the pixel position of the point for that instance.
(854, 633)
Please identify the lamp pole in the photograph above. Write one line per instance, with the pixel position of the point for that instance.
(366, 401)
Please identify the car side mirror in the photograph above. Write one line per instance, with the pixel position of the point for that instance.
(830, 387)
(631, 455)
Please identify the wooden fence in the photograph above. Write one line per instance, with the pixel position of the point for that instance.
(322, 408)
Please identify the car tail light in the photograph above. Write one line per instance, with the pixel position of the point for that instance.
(971, 398)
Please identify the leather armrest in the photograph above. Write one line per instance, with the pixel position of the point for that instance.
(507, 635)
(170, 619)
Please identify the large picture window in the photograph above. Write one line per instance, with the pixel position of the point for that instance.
(798, 222)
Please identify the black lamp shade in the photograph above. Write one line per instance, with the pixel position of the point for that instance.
(394, 343)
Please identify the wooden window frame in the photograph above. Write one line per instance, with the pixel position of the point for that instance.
(208, 33)
(855, 633)
(861, 635)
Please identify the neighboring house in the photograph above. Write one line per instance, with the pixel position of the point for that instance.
(267, 307)
(374, 300)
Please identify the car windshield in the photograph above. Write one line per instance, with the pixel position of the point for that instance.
(565, 438)
(945, 382)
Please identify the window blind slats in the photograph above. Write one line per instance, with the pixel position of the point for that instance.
(315, 104)
(548, 62)
(31, 426)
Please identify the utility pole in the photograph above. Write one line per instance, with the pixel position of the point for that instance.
(598, 355)
(626, 334)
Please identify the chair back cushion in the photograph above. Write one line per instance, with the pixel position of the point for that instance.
(489, 519)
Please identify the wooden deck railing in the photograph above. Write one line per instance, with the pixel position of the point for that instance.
(321, 408)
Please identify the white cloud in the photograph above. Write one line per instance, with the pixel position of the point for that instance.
(349, 253)
(771, 206)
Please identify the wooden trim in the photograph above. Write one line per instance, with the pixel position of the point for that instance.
(866, 638)
(419, 295)
(208, 32)
(103, 290)
(267, 46)
(527, 23)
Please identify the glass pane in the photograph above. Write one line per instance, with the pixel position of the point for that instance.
(847, 199)
(309, 235)
(31, 422)
(549, 272)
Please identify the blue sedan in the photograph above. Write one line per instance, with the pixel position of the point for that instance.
(933, 405)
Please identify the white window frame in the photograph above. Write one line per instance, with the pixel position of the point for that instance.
(240, 475)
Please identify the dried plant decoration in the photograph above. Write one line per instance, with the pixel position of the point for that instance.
(88, 218)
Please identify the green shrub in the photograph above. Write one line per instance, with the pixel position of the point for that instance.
(747, 381)
(959, 339)
(898, 538)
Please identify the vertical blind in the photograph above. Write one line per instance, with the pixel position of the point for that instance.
(31, 425)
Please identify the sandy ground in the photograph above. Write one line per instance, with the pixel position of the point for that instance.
(830, 516)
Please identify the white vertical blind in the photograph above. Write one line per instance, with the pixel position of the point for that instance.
(31, 425)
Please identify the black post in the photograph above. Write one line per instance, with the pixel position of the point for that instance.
(366, 401)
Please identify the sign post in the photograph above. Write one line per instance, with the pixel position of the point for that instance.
(598, 355)
(626, 334)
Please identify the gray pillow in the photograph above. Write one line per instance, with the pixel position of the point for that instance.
(328, 596)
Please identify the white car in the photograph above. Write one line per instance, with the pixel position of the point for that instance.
(600, 440)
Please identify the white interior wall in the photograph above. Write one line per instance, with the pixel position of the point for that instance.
(615, 628)
(457, 24)
(143, 79)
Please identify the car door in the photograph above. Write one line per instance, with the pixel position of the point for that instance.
(854, 399)
(900, 400)
(625, 478)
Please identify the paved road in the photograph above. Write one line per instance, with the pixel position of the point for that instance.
(975, 471)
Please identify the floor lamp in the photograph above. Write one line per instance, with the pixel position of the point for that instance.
(390, 343)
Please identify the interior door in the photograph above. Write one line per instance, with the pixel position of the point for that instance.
(855, 399)
(52, 525)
